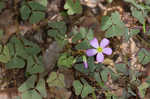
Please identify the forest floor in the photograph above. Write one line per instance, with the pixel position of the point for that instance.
(91, 18)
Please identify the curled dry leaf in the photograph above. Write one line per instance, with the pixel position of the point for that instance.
(134, 50)
(125, 48)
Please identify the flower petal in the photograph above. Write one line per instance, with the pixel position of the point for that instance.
(107, 51)
(85, 64)
(91, 52)
(104, 43)
(100, 57)
(94, 43)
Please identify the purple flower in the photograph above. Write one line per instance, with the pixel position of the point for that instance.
(85, 62)
(100, 49)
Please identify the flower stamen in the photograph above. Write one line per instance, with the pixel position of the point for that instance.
(99, 49)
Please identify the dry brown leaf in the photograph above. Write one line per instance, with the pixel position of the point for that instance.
(9, 31)
(59, 93)
(7, 23)
(69, 77)
(90, 21)
(108, 61)
(8, 93)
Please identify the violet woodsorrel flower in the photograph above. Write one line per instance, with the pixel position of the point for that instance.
(85, 62)
(100, 49)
